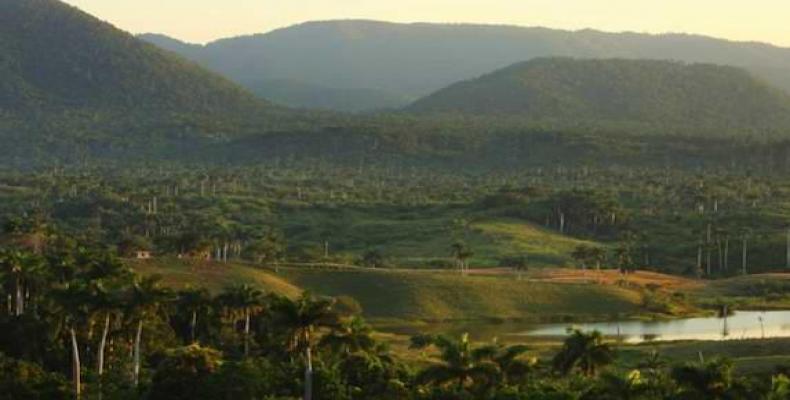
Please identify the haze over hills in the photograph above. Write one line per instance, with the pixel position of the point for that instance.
(409, 61)
(662, 96)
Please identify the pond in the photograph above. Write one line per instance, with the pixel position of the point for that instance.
(741, 325)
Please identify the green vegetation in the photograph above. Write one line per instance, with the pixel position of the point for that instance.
(438, 296)
(642, 96)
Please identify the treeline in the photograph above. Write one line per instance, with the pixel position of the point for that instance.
(78, 324)
(670, 220)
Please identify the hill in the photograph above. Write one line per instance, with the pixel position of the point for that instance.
(398, 296)
(69, 78)
(664, 95)
(413, 60)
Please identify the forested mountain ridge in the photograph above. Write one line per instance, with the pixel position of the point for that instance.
(72, 85)
(674, 97)
(412, 60)
(54, 55)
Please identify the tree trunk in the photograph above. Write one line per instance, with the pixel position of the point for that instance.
(246, 332)
(308, 375)
(744, 257)
(138, 337)
(76, 368)
(100, 357)
(20, 298)
(727, 254)
(102, 346)
(193, 326)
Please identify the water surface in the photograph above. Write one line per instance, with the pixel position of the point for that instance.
(741, 325)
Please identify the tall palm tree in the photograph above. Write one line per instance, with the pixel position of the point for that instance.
(104, 303)
(301, 318)
(461, 363)
(461, 252)
(242, 302)
(146, 299)
(195, 302)
(21, 268)
(586, 352)
(73, 302)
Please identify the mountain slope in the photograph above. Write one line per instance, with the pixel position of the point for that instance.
(53, 55)
(685, 98)
(413, 60)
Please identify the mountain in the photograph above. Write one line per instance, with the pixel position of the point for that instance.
(409, 61)
(304, 95)
(67, 77)
(664, 95)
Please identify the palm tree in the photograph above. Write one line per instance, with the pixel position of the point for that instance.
(513, 367)
(241, 302)
(712, 380)
(461, 363)
(301, 318)
(73, 302)
(351, 337)
(584, 351)
(462, 253)
(20, 268)
(195, 302)
(103, 303)
(146, 298)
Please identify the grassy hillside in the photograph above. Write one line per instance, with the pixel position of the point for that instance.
(213, 276)
(410, 296)
(440, 296)
(416, 237)
(662, 96)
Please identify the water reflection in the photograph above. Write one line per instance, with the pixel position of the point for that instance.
(741, 325)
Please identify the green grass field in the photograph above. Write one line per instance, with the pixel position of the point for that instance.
(213, 276)
(414, 295)
(414, 238)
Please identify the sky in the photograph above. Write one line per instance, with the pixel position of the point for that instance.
(201, 21)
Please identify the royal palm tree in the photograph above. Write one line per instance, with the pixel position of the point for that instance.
(194, 302)
(242, 302)
(461, 252)
(301, 318)
(21, 269)
(586, 352)
(73, 301)
(146, 299)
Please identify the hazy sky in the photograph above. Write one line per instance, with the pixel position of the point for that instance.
(205, 20)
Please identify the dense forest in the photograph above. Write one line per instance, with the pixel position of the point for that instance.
(644, 96)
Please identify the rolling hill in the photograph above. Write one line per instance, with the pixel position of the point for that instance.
(409, 61)
(657, 95)
(69, 80)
